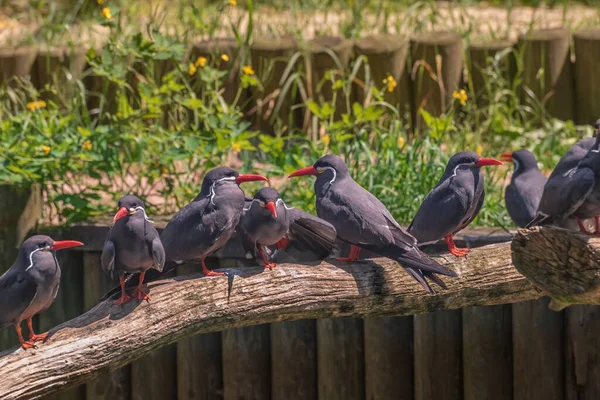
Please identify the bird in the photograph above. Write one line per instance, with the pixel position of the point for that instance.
(523, 194)
(268, 221)
(31, 285)
(362, 221)
(453, 203)
(132, 246)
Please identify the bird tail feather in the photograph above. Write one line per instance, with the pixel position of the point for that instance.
(539, 220)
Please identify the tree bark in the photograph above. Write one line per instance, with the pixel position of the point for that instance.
(108, 336)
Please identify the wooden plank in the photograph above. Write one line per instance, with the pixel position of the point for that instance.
(199, 361)
(294, 360)
(114, 385)
(487, 352)
(247, 363)
(438, 355)
(154, 376)
(538, 351)
(583, 352)
(340, 344)
(389, 358)
(587, 75)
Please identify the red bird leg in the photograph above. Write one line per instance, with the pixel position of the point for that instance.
(582, 227)
(283, 243)
(29, 344)
(32, 336)
(597, 219)
(456, 251)
(268, 264)
(139, 293)
(208, 272)
(354, 252)
(124, 297)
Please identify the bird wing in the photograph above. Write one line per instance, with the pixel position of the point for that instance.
(464, 223)
(108, 256)
(522, 199)
(310, 233)
(565, 193)
(17, 292)
(158, 254)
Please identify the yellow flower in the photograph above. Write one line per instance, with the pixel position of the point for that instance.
(224, 57)
(164, 170)
(192, 70)
(248, 70)
(87, 145)
(461, 96)
(100, 2)
(391, 83)
(46, 150)
(401, 141)
(106, 13)
(479, 149)
(34, 105)
(233, 3)
(200, 62)
(236, 147)
(326, 139)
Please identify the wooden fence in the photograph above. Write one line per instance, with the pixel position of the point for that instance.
(556, 71)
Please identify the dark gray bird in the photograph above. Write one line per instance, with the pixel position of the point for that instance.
(206, 224)
(268, 221)
(453, 203)
(133, 246)
(523, 194)
(361, 220)
(31, 284)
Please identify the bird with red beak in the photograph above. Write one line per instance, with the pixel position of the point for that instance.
(31, 285)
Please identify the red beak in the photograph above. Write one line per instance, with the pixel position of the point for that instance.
(487, 161)
(123, 211)
(305, 171)
(249, 178)
(506, 157)
(65, 244)
(271, 207)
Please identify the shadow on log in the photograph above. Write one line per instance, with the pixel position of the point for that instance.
(587, 74)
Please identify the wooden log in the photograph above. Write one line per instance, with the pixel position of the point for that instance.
(386, 56)
(583, 352)
(276, 100)
(341, 370)
(587, 76)
(436, 72)
(114, 385)
(83, 348)
(199, 361)
(538, 351)
(481, 55)
(487, 352)
(58, 67)
(294, 360)
(547, 71)
(389, 357)
(438, 356)
(16, 62)
(247, 363)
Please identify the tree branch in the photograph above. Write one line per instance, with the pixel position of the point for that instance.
(109, 336)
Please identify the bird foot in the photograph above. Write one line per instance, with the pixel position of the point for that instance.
(29, 344)
(270, 265)
(140, 295)
(123, 299)
(208, 272)
(347, 259)
(459, 252)
(38, 338)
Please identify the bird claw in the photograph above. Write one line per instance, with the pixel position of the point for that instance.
(42, 337)
(140, 295)
(270, 265)
(28, 345)
(459, 252)
(347, 259)
(122, 300)
(213, 273)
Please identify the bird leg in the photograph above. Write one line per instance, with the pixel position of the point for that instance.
(138, 293)
(283, 243)
(124, 297)
(208, 272)
(456, 251)
(268, 264)
(32, 336)
(29, 344)
(354, 252)
(597, 219)
(582, 227)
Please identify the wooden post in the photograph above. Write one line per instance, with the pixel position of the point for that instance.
(57, 66)
(438, 356)
(436, 71)
(583, 352)
(387, 56)
(114, 385)
(480, 58)
(487, 352)
(340, 344)
(587, 75)
(16, 62)
(539, 373)
(389, 358)
(270, 59)
(547, 71)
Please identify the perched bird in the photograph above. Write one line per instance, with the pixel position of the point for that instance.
(361, 220)
(523, 194)
(132, 246)
(268, 221)
(31, 284)
(453, 203)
